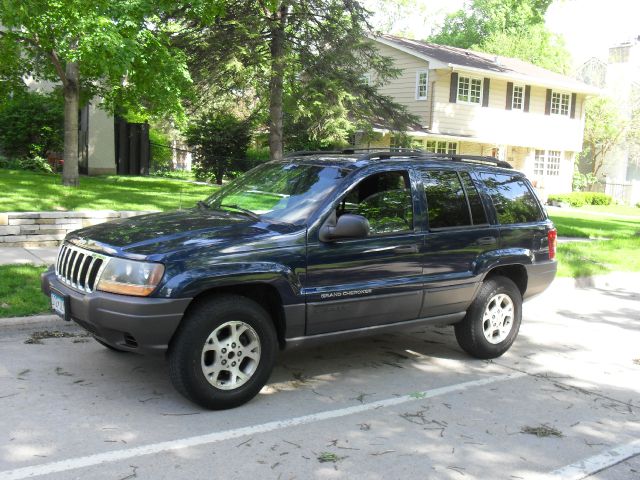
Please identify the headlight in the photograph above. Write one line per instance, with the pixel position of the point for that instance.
(129, 277)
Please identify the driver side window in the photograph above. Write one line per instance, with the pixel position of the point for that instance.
(384, 199)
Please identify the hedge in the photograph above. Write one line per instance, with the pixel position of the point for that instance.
(579, 199)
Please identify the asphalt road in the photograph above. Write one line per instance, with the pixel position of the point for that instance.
(563, 403)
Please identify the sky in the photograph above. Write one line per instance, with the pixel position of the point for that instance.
(589, 27)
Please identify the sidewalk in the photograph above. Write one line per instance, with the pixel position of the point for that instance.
(35, 255)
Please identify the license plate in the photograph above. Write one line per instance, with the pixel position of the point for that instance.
(60, 305)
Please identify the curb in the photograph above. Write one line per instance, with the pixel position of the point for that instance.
(12, 321)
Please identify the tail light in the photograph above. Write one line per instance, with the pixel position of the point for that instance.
(552, 237)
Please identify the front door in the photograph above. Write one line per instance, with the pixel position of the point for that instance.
(374, 280)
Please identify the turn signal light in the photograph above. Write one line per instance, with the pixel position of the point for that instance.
(552, 237)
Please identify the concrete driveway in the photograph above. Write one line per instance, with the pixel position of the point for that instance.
(563, 403)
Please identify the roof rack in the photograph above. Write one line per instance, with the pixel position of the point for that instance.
(471, 159)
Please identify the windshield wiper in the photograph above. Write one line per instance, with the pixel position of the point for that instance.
(248, 213)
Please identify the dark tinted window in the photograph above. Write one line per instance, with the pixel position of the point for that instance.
(514, 201)
(385, 200)
(475, 202)
(446, 202)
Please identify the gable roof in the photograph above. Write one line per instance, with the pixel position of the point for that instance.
(459, 59)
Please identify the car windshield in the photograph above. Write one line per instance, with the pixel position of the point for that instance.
(283, 192)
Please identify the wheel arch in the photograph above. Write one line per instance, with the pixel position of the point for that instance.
(517, 273)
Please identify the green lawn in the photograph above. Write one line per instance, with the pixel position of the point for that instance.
(20, 293)
(612, 209)
(620, 253)
(29, 191)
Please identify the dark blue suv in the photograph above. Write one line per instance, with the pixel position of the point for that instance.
(319, 246)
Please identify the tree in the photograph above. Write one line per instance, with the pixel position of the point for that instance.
(302, 62)
(604, 129)
(218, 139)
(511, 28)
(117, 50)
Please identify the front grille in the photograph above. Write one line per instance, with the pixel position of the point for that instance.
(79, 268)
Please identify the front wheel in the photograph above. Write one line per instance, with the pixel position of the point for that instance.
(223, 353)
(493, 319)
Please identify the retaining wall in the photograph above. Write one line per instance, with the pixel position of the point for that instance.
(48, 229)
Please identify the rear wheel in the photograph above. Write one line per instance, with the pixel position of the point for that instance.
(493, 319)
(223, 353)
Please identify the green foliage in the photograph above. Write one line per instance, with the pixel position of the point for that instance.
(579, 199)
(31, 124)
(161, 153)
(604, 129)
(582, 181)
(511, 28)
(219, 141)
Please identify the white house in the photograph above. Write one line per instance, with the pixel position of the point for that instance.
(481, 104)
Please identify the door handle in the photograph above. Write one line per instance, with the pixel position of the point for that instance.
(406, 249)
(486, 241)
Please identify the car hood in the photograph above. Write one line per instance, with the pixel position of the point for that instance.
(158, 234)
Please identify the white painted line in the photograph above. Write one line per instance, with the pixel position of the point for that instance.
(592, 465)
(118, 455)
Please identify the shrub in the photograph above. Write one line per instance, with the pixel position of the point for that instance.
(161, 156)
(579, 199)
(31, 124)
(34, 164)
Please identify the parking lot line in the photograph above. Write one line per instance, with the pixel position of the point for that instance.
(592, 465)
(123, 454)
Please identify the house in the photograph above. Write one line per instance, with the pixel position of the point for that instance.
(480, 104)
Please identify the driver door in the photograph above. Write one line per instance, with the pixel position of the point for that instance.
(357, 283)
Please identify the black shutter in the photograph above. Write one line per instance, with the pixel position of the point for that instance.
(509, 95)
(453, 88)
(547, 103)
(527, 95)
(485, 92)
(573, 105)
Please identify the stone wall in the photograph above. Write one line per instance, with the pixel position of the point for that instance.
(48, 229)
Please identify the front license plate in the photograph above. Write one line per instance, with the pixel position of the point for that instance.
(60, 304)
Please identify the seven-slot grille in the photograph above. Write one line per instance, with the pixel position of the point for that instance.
(79, 268)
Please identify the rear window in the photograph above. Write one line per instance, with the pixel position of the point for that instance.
(512, 198)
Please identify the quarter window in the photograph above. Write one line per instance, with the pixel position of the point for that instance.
(560, 103)
(384, 199)
(512, 198)
(446, 201)
(422, 82)
(469, 89)
(439, 146)
(517, 99)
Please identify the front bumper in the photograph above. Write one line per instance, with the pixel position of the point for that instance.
(137, 324)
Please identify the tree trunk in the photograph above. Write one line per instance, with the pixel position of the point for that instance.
(71, 107)
(276, 81)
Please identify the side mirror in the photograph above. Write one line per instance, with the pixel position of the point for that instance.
(347, 226)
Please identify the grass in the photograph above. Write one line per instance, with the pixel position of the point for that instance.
(619, 253)
(31, 191)
(20, 293)
(612, 209)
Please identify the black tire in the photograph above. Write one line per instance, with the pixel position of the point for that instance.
(106, 345)
(470, 332)
(186, 351)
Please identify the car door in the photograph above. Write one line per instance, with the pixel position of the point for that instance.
(457, 238)
(356, 283)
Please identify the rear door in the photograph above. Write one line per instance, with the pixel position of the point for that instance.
(458, 234)
(369, 281)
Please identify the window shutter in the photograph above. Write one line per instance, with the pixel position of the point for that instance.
(573, 105)
(509, 95)
(453, 88)
(547, 103)
(527, 95)
(485, 92)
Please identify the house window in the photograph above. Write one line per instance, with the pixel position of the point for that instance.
(547, 162)
(422, 81)
(469, 90)
(517, 99)
(560, 103)
(439, 146)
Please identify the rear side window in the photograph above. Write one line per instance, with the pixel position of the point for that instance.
(475, 202)
(514, 201)
(446, 200)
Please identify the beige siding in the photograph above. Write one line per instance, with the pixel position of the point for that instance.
(403, 88)
(496, 124)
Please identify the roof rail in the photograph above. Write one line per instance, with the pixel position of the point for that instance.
(471, 159)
